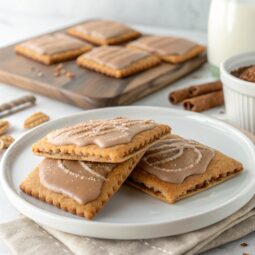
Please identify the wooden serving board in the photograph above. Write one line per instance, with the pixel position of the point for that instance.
(88, 89)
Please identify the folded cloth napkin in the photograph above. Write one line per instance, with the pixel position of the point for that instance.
(25, 237)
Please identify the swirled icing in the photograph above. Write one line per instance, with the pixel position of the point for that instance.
(174, 159)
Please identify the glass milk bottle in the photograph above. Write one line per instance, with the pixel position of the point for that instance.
(231, 30)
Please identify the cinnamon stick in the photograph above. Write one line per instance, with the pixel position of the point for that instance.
(197, 90)
(178, 96)
(204, 102)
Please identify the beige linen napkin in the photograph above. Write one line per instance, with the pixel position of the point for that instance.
(25, 237)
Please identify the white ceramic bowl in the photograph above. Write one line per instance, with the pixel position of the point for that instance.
(239, 95)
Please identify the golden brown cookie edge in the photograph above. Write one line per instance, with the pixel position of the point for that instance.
(115, 154)
(51, 59)
(170, 192)
(134, 68)
(132, 35)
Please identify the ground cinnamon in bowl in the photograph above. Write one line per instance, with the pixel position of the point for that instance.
(246, 73)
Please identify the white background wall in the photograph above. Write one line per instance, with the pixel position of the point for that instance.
(186, 14)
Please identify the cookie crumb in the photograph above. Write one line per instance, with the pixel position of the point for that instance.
(59, 70)
(243, 244)
(56, 73)
(70, 75)
(59, 67)
(40, 74)
(62, 71)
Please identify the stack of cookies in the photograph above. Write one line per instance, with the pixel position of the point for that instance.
(85, 164)
(104, 46)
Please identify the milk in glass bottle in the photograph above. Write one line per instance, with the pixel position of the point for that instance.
(231, 30)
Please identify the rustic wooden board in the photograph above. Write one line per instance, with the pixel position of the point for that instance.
(88, 89)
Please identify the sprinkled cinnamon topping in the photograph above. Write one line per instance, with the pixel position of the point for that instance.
(104, 133)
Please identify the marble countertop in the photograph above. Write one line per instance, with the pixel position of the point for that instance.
(18, 28)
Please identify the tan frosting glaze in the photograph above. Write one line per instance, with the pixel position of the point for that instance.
(103, 29)
(116, 57)
(174, 159)
(55, 43)
(104, 133)
(79, 180)
(164, 45)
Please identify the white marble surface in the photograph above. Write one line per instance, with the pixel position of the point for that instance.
(16, 28)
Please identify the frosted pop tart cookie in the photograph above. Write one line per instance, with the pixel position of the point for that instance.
(53, 48)
(79, 187)
(112, 140)
(176, 168)
(104, 32)
(117, 61)
(170, 49)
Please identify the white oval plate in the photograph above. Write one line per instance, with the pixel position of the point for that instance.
(131, 214)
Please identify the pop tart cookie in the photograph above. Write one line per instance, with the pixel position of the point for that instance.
(170, 49)
(176, 168)
(53, 48)
(104, 32)
(112, 140)
(78, 187)
(117, 61)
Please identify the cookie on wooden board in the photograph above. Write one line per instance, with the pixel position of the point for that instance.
(171, 49)
(104, 32)
(117, 61)
(52, 48)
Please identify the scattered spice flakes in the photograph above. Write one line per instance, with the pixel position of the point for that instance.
(243, 244)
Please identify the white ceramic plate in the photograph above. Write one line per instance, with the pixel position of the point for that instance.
(131, 214)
